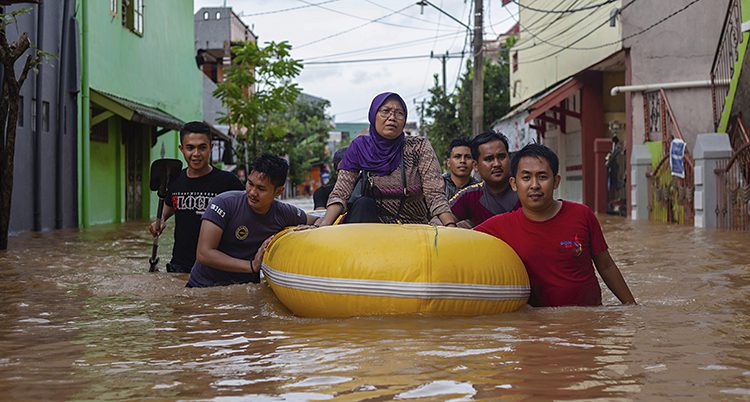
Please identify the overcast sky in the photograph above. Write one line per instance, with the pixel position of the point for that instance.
(341, 30)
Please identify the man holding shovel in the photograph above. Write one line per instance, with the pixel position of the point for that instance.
(188, 195)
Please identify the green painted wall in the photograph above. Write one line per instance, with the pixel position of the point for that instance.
(745, 6)
(106, 178)
(157, 69)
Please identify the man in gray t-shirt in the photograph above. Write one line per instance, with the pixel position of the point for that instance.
(236, 224)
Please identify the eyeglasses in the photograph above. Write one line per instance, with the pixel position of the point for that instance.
(386, 112)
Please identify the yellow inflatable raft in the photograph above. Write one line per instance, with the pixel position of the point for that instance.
(377, 269)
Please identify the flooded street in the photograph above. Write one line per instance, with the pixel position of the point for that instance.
(82, 319)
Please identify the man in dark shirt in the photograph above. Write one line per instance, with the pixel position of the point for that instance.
(237, 225)
(460, 163)
(190, 192)
(475, 204)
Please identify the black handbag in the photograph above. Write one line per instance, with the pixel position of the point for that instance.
(362, 188)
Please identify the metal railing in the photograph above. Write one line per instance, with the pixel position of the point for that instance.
(733, 181)
(670, 198)
(725, 58)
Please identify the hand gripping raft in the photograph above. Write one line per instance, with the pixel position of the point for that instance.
(377, 269)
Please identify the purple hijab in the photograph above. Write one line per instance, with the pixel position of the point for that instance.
(372, 152)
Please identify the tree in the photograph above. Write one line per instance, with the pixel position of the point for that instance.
(258, 83)
(444, 125)
(496, 93)
(300, 132)
(11, 88)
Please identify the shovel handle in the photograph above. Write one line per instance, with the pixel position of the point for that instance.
(154, 260)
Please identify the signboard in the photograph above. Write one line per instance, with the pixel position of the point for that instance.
(517, 130)
(677, 158)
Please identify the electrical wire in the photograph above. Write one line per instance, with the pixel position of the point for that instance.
(365, 18)
(570, 46)
(578, 23)
(312, 63)
(285, 9)
(391, 46)
(347, 30)
(584, 8)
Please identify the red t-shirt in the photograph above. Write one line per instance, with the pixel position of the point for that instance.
(557, 253)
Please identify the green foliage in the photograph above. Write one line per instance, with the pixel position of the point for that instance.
(444, 124)
(450, 115)
(258, 84)
(496, 93)
(300, 132)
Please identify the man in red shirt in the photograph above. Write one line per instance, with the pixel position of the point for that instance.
(475, 204)
(557, 240)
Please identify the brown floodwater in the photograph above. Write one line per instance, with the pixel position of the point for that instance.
(82, 319)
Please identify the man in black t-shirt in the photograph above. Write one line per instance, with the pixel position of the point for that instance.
(189, 194)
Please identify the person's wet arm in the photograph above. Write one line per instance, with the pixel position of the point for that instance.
(157, 227)
(613, 278)
(208, 253)
(339, 196)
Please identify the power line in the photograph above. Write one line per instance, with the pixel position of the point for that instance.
(285, 9)
(364, 18)
(389, 46)
(372, 60)
(617, 41)
(570, 45)
(347, 30)
(557, 34)
(584, 8)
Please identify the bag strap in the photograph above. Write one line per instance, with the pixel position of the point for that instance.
(403, 182)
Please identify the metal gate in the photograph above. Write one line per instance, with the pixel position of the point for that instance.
(133, 137)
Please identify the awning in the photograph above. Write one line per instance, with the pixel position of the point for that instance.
(219, 132)
(553, 97)
(135, 111)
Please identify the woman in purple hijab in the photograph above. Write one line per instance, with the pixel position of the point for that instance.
(404, 173)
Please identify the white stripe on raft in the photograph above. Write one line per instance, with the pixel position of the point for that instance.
(411, 290)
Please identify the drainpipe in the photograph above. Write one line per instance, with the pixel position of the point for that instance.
(61, 130)
(36, 147)
(668, 85)
(84, 161)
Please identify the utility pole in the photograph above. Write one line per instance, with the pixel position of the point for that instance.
(477, 98)
(443, 58)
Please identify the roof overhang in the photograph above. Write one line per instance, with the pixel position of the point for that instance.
(553, 97)
(135, 111)
(217, 133)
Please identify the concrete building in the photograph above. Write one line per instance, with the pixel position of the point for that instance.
(217, 29)
(45, 150)
(581, 77)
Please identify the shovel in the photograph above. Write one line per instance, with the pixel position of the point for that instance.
(162, 172)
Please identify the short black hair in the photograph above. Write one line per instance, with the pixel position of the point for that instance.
(195, 127)
(458, 142)
(272, 166)
(484, 138)
(338, 156)
(537, 151)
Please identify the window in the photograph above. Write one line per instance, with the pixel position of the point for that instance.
(206, 16)
(515, 61)
(20, 112)
(218, 15)
(45, 116)
(132, 15)
(113, 7)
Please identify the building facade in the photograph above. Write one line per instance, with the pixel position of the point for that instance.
(139, 84)
(45, 149)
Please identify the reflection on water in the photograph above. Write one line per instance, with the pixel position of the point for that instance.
(82, 319)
